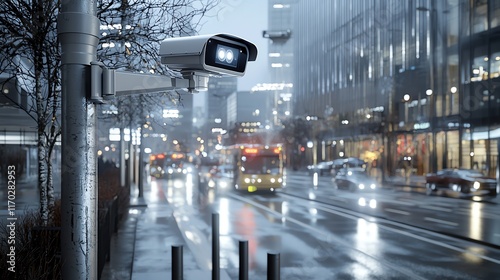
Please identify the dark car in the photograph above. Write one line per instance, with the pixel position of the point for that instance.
(355, 179)
(350, 162)
(322, 168)
(461, 182)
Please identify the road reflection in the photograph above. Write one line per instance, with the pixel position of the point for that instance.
(245, 226)
(476, 221)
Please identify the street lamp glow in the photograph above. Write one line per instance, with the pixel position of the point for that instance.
(406, 97)
(310, 144)
(428, 92)
(453, 89)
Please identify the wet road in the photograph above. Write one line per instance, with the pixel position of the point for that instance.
(324, 233)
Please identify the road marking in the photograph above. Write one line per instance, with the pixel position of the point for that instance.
(356, 215)
(435, 208)
(397, 211)
(403, 203)
(337, 198)
(327, 235)
(440, 221)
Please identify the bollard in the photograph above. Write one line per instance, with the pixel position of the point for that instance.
(243, 245)
(215, 247)
(273, 266)
(177, 265)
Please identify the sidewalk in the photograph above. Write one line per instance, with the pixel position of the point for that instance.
(142, 248)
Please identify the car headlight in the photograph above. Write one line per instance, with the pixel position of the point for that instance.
(373, 186)
(361, 186)
(476, 185)
(223, 185)
(211, 184)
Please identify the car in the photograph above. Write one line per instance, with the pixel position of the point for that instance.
(350, 162)
(322, 168)
(460, 182)
(355, 179)
(221, 178)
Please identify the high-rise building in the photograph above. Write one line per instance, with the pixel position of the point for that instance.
(391, 79)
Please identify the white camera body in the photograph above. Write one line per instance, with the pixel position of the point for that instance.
(216, 54)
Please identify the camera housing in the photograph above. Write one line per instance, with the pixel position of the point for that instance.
(216, 54)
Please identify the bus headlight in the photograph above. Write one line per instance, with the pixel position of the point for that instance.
(247, 180)
(273, 180)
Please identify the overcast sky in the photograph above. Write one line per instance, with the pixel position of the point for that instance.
(246, 19)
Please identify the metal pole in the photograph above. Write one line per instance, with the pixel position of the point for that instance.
(243, 246)
(140, 176)
(498, 168)
(78, 31)
(122, 158)
(215, 247)
(433, 23)
(273, 266)
(177, 263)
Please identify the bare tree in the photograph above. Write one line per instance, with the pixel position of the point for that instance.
(131, 36)
(30, 56)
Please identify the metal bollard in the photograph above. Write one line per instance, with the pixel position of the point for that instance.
(177, 265)
(273, 266)
(215, 247)
(243, 246)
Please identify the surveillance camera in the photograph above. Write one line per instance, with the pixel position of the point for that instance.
(218, 54)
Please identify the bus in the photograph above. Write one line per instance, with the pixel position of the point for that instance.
(169, 165)
(257, 167)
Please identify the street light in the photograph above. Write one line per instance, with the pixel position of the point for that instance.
(406, 98)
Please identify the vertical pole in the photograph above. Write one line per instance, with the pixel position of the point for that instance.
(78, 31)
(498, 168)
(131, 159)
(140, 175)
(433, 23)
(215, 247)
(122, 158)
(177, 263)
(243, 246)
(273, 266)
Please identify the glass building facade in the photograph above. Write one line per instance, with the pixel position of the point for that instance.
(392, 79)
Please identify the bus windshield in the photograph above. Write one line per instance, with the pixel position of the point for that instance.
(260, 164)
